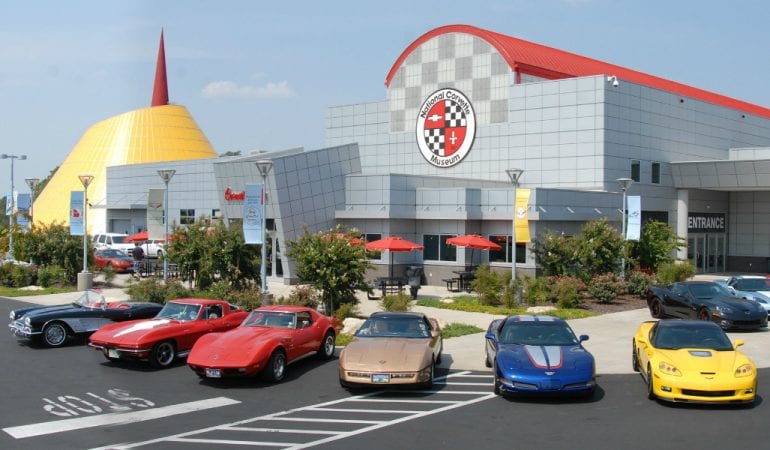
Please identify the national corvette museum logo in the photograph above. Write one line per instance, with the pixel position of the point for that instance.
(446, 126)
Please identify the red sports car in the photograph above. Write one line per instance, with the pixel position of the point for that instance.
(170, 334)
(270, 338)
(117, 259)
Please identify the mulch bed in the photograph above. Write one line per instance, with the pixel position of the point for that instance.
(622, 303)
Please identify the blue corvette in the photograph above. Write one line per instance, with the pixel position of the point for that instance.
(538, 354)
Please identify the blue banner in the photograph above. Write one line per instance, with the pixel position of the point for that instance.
(7, 203)
(634, 218)
(22, 205)
(76, 213)
(253, 210)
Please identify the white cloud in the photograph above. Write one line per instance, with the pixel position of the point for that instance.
(232, 89)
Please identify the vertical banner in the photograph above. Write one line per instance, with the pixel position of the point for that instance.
(521, 215)
(155, 227)
(634, 225)
(76, 213)
(22, 205)
(253, 210)
(7, 203)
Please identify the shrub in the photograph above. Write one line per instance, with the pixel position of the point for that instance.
(23, 275)
(638, 282)
(303, 295)
(671, 273)
(109, 274)
(537, 290)
(247, 299)
(489, 285)
(605, 288)
(398, 302)
(49, 276)
(346, 310)
(512, 292)
(566, 292)
(155, 291)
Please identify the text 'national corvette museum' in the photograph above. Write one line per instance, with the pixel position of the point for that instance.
(431, 161)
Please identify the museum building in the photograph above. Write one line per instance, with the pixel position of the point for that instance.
(465, 104)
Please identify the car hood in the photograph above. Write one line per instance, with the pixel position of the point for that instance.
(394, 354)
(131, 332)
(538, 358)
(738, 305)
(694, 360)
(240, 345)
(57, 310)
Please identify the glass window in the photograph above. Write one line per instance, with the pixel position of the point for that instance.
(656, 172)
(369, 237)
(436, 248)
(504, 254)
(635, 170)
(186, 216)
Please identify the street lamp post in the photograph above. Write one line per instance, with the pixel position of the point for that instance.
(32, 183)
(166, 175)
(515, 176)
(13, 206)
(85, 280)
(624, 183)
(264, 166)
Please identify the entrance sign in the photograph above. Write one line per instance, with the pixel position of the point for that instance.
(706, 223)
(446, 127)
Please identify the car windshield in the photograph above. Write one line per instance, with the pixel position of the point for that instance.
(402, 327)
(708, 337)
(112, 253)
(708, 290)
(91, 299)
(272, 319)
(537, 333)
(753, 284)
(179, 311)
(118, 239)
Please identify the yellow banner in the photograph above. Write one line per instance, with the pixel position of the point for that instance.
(521, 215)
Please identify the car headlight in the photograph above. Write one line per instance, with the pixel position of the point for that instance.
(724, 309)
(668, 369)
(27, 320)
(744, 370)
(13, 315)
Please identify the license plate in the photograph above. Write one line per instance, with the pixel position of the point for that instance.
(213, 373)
(112, 353)
(380, 378)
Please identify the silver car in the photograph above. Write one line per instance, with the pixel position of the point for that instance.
(751, 287)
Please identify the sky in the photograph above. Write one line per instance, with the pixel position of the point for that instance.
(260, 74)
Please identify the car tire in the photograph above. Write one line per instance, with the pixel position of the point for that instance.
(634, 360)
(497, 389)
(160, 253)
(650, 387)
(275, 370)
(162, 354)
(704, 314)
(429, 384)
(487, 362)
(656, 308)
(55, 334)
(326, 350)
(440, 353)
(108, 265)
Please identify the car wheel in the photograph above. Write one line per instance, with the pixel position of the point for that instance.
(440, 353)
(162, 354)
(55, 334)
(429, 384)
(487, 362)
(276, 367)
(703, 314)
(326, 350)
(497, 379)
(650, 388)
(656, 308)
(108, 266)
(634, 360)
(160, 253)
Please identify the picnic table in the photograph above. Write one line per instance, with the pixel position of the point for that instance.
(388, 285)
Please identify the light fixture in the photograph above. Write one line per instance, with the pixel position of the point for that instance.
(85, 279)
(614, 80)
(9, 255)
(166, 175)
(515, 176)
(264, 166)
(624, 183)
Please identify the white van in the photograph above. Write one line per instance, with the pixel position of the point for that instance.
(113, 240)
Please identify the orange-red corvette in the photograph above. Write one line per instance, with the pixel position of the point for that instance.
(168, 335)
(270, 338)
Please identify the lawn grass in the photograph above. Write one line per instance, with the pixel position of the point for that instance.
(469, 303)
(16, 292)
(459, 329)
(343, 339)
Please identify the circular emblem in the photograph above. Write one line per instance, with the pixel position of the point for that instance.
(521, 212)
(446, 126)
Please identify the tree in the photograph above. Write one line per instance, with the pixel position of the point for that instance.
(332, 264)
(656, 245)
(557, 254)
(599, 249)
(52, 245)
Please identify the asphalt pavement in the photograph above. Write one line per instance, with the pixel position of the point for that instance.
(609, 341)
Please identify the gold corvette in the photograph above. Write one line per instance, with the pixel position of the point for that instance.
(692, 361)
(392, 348)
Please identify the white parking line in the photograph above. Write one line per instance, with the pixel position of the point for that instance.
(279, 430)
(58, 426)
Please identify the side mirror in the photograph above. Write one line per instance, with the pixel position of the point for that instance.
(304, 324)
(738, 343)
(491, 336)
(583, 337)
(435, 333)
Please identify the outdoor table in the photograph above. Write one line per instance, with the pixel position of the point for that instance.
(465, 278)
(390, 285)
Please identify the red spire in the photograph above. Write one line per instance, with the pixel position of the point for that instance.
(160, 91)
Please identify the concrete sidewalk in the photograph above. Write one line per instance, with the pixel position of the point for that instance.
(610, 334)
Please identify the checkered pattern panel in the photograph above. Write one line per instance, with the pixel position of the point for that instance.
(453, 115)
(434, 137)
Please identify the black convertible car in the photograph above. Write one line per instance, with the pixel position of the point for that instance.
(705, 300)
(52, 325)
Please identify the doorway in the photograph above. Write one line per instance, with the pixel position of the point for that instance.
(706, 251)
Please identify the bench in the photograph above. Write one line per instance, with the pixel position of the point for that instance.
(452, 284)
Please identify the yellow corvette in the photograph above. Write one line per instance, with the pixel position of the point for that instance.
(692, 361)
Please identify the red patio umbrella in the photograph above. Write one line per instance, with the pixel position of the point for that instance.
(137, 237)
(393, 244)
(473, 241)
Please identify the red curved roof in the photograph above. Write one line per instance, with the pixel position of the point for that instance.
(551, 63)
